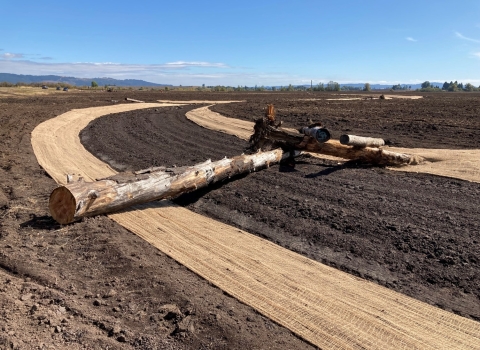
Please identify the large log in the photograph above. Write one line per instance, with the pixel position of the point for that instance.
(133, 100)
(80, 199)
(269, 136)
(361, 141)
(368, 155)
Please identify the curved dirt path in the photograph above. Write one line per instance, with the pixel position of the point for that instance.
(190, 102)
(460, 164)
(211, 120)
(327, 307)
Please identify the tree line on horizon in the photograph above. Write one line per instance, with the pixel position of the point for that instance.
(330, 86)
(426, 86)
(451, 86)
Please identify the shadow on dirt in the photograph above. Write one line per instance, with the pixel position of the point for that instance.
(192, 197)
(352, 164)
(44, 222)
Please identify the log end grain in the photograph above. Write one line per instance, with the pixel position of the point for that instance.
(344, 139)
(62, 205)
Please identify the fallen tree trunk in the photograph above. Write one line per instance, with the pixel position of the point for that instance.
(368, 155)
(133, 100)
(268, 136)
(80, 199)
(360, 141)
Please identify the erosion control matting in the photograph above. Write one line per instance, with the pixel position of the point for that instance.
(325, 306)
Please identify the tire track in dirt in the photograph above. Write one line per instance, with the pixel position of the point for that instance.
(341, 311)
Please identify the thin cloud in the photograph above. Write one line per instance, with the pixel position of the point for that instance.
(183, 64)
(176, 73)
(476, 54)
(46, 58)
(8, 55)
(409, 38)
(118, 70)
(459, 35)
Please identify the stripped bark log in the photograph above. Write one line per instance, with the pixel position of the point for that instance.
(79, 199)
(266, 137)
(360, 141)
(133, 100)
(369, 155)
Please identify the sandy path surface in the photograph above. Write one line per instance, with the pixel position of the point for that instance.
(389, 97)
(215, 121)
(329, 308)
(60, 150)
(460, 164)
(197, 101)
(362, 97)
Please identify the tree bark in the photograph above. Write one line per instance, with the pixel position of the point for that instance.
(267, 136)
(79, 199)
(369, 155)
(360, 141)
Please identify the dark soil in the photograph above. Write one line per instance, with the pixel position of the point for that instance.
(94, 284)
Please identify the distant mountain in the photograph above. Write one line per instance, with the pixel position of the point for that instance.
(20, 78)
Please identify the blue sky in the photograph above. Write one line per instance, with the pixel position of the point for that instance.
(244, 43)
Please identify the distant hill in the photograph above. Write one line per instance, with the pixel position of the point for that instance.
(20, 78)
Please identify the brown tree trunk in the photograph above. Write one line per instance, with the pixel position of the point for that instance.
(368, 155)
(268, 136)
(79, 199)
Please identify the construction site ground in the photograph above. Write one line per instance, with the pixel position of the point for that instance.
(94, 284)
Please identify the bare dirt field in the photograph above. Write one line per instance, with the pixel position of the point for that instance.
(87, 286)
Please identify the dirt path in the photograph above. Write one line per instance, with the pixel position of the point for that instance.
(208, 119)
(189, 102)
(345, 311)
(365, 97)
(59, 149)
(459, 164)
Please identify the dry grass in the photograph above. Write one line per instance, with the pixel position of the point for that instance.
(23, 91)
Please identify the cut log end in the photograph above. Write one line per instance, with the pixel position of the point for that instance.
(62, 205)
